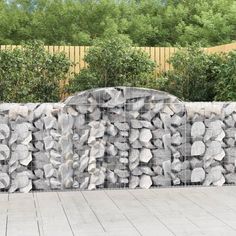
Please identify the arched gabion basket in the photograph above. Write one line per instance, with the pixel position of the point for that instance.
(116, 137)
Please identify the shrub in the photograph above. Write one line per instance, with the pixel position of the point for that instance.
(226, 86)
(31, 74)
(113, 62)
(194, 75)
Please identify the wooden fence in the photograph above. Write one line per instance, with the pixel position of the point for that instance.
(160, 55)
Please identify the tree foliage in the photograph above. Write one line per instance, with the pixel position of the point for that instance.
(146, 22)
(30, 74)
(113, 62)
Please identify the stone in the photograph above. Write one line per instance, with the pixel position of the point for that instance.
(97, 149)
(230, 132)
(197, 148)
(166, 109)
(161, 155)
(16, 110)
(194, 163)
(121, 126)
(145, 155)
(111, 177)
(97, 130)
(166, 166)
(176, 181)
(134, 155)
(229, 121)
(198, 129)
(176, 165)
(176, 120)
(4, 181)
(135, 106)
(136, 144)
(83, 162)
(220, 136)
(158, 143)
(48, 170)
(229, 168)
(39, 173)
(124, 133)
(158, 133)
(166, 139)
(157, 170)
(122, 146)
(176, 139)
(122, 173)
(48, 142)
(84, 183)
(220, 182)
(145, 182)
(215, 151)
(161, 180)
(27, 160)
(49, 122)
(95, 115)
(197, 175)
(116, 96)
(136, 171)
(41, 184)
(214, 175)
(133, 182)
(146, 170)
(166, 119)
(111, 150)
(134, 135)
(230, 178)
(145, 135)
(230, 108)
(148, 115)
(4, 152)
(123, 180)
(54, 183)
(136, 124)
(111, 130)
(157, 123)
(133, 165)
(21, 179)
(124, 160)
(123, 153)
(185, 176)
(79, 121)
(147, 124)
(230, 142)
(4, 131)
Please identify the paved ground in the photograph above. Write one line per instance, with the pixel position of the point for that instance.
(159, 212)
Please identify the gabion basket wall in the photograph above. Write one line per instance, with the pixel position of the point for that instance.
(115, 138)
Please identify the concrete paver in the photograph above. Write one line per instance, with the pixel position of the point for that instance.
(183, 211)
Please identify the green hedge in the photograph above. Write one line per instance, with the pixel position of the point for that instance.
(200, 76)
(30, 74)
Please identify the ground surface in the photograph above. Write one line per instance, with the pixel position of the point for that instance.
(171, 211)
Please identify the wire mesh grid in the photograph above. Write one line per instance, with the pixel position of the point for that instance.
(96, 111)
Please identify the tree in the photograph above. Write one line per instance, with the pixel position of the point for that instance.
(146, 22)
